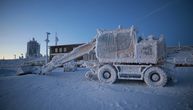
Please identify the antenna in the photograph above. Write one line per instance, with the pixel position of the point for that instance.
(56, 39)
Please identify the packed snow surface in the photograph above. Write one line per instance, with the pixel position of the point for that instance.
(72, 91)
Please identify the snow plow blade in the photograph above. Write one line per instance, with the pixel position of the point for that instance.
(60, 59)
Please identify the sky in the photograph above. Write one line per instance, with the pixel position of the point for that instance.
(76, 21)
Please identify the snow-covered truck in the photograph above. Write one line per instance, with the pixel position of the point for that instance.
(121, 54)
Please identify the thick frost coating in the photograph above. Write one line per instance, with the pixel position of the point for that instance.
(60, 59)
(115, 44)
(70, 66)
(122, 46)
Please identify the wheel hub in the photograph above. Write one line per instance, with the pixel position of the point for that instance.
(106, 75)
(155, 77)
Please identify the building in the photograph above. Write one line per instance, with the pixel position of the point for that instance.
(33, 49)
(54, 50)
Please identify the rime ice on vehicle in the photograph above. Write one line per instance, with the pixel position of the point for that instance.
(60, 59)
(70, 66)
(121, 46)
(120, 54)
(115, 45)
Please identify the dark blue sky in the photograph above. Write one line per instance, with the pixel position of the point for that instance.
(76, 21)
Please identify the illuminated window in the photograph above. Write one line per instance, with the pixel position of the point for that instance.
(65, 49)
(56, 50)
(60, 49)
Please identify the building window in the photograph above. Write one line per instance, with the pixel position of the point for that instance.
(65, 49)
(60, 49)
(56, 50)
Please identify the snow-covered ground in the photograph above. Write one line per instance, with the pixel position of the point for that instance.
(72, 91)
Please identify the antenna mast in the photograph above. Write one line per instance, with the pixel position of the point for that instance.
(56, 39)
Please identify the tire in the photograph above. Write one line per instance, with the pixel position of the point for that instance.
(155, 77)
(107, 74)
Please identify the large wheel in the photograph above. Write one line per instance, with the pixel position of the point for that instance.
(155, 77)
(107, 74)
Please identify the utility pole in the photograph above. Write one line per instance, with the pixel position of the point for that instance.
(56, 39)
(47, 41)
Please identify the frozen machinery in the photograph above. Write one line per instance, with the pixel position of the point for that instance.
(121, 55)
